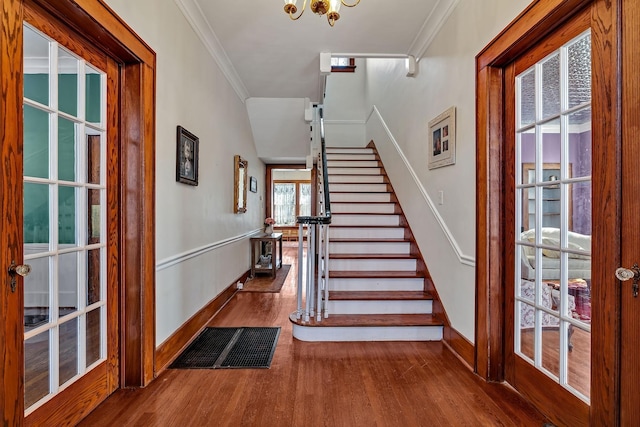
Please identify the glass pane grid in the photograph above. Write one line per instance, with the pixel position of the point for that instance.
(553, 221)
(64, 101)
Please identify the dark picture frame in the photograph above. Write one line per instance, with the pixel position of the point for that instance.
(253, 184)
(187, 149)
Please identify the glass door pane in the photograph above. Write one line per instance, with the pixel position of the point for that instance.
(553, 216)
(64, 202)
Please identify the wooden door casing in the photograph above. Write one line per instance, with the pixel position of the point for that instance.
(630, 233)
(528, 29)
(11, 327)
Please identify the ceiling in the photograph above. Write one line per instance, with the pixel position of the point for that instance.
(266, 55)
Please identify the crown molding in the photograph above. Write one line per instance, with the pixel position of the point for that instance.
(192, 12)
(431, 27)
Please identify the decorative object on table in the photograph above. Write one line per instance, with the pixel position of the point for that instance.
(187, 157)
(268, 222)
(265, 260)
(253, 184)
(240, 176)
(442, 139)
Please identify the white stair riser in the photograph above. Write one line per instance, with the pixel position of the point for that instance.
(377, 284)
(379, 208)
(355, 333)
(372, 264)
(375, 171)
(365, 233)
(352, 150)
(360, 197)
(380, 307)
(358, 188)
(369, 248)
(366, 220)
(352, 163)
(351, 156)
(357, 178)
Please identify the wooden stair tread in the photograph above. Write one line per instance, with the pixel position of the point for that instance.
(379, 295)
(355, 202)
(376, 275)
(365, 226)
(371, 256)
(364, 213)
(358, 192)
(369, 240)
(372, 320)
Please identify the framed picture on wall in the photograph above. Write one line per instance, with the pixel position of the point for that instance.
(253, 184)
(187, 157)
(442, 139)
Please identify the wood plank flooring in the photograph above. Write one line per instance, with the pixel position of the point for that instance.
(319, 384)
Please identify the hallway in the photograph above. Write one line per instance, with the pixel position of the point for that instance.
(318, 384)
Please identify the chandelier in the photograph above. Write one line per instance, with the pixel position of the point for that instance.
(319, 7)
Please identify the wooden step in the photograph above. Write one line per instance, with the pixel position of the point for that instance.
(372, 207)
(376, 274)
(379, 295)
(371, 256)
(375, 171)
(353, 178)
(347, 150)
(374, 320)
(349, 197)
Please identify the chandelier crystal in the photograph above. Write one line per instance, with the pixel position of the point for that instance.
(331, 8)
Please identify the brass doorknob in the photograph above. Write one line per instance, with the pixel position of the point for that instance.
(628, 273)
(624, 274)
(22, 270)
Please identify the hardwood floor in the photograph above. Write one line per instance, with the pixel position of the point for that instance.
(319, 384)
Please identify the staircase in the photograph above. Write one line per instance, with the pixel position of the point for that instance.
(379, 288)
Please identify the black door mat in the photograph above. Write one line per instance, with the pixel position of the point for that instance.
(225, 348)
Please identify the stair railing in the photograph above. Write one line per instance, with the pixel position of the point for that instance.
(313, 278)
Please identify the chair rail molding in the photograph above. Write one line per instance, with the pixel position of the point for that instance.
(195, 252)
(462, 258)
(193, 14)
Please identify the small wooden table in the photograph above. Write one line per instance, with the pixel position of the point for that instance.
(257, 247)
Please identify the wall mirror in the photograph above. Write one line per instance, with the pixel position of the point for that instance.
(240, 184)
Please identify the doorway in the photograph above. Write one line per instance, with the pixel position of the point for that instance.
(498, 240)
(89, 213)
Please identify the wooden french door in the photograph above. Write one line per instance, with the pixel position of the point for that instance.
(548, 146)
(127, 162)
(69, 221)
(614, 332)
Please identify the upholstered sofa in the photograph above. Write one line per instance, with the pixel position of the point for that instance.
(579, 264)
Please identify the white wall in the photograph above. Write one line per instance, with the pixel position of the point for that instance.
(279, 129)
(344, 108)
(446, 77)
(201, 245)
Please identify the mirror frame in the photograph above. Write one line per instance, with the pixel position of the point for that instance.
(240, 175)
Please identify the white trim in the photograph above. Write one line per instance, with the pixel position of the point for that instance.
(431, 27)
(345, 122)
(464, 259)
(177, 259)
(194, 15)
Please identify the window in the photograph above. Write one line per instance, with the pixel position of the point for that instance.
(343, 65)
(290, 200)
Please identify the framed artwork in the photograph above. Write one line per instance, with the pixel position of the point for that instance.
(442, 139)
(253, 184)
(187, 157)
